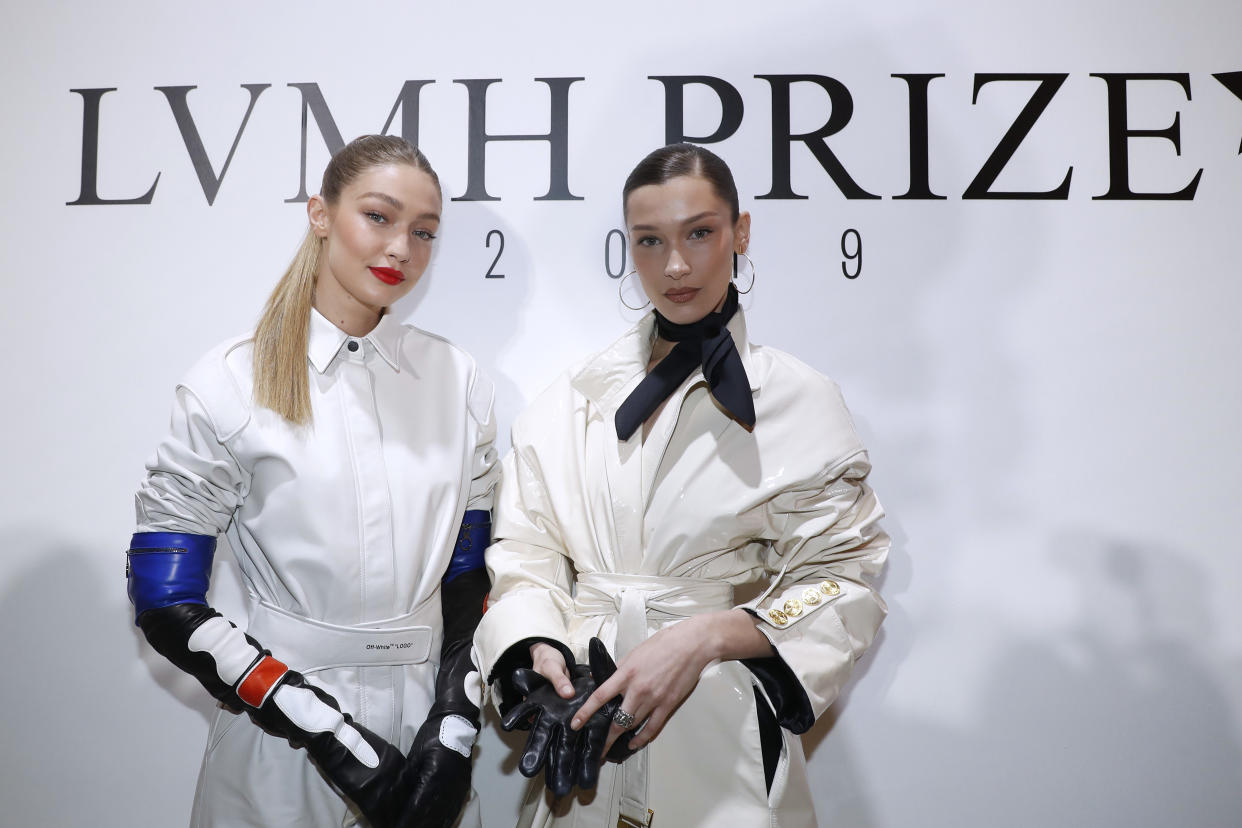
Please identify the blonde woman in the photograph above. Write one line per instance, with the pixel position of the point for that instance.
(643, 486)
(348, 458)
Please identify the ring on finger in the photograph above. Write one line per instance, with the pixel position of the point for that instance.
(622, 719)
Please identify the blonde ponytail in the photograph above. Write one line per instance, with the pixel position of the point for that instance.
(281, 379)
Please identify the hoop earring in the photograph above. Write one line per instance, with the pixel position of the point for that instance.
(753, 272)
(621, 292)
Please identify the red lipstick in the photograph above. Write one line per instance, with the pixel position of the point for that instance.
(388, 275)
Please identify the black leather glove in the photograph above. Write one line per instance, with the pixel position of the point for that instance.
(364, 767)
(440, 770)
(439, 760)
(551, 745)
(595, 730)
(168, 574)
(379, 792)
(568, 757)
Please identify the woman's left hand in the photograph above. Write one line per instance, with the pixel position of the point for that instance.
(658, 675)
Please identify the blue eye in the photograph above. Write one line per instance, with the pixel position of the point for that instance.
(378, 218)
(425, 235)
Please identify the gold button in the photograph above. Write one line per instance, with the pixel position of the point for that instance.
(793, 607)
(829, 588)
(810, 596)
(778, 618)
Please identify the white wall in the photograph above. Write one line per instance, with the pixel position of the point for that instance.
(1049, 388)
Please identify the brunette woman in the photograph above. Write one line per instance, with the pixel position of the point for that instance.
(643, 486)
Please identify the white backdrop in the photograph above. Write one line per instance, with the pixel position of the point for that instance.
(1048, 386)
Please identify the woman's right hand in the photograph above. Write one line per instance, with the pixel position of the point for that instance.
(548, 662)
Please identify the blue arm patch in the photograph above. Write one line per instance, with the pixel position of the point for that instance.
(472, 541)
(167, 568)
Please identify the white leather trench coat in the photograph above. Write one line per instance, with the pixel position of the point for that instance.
(342, 531)
(600, 537)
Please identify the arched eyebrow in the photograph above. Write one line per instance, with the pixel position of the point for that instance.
(385, 197)
(691, 220)
(397, 204)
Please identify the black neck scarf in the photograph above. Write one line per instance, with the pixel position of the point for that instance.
(705, 343)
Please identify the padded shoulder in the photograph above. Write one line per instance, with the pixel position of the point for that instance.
(223, 381)
(481, 395)
(809, 409)
(553, 404)
(480, 392)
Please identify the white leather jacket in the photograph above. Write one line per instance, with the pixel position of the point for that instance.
(600, 537)
(342, 530)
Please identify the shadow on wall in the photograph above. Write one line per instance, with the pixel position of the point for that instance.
(78, 696)
(92, 710)
(1125, 720)
(835, 772)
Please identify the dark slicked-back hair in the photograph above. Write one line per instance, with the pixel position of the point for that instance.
(676, 160)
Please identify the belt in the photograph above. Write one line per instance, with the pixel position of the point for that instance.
(633, 600)
(307, 645)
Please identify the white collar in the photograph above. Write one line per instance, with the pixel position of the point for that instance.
(325, 340)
